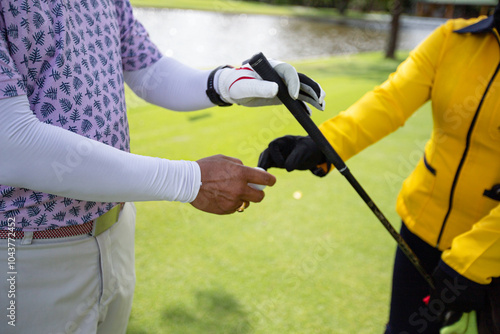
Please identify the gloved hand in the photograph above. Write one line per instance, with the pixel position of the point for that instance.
(454, 292)
(295, 152)
(245, 87)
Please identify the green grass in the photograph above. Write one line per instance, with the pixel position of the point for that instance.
(232, 6)
(319, 264)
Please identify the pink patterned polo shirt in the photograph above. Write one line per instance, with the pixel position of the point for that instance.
(68, 57)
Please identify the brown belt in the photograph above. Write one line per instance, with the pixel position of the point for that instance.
(93, 227)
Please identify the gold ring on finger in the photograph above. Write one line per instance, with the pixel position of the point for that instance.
(243, 206)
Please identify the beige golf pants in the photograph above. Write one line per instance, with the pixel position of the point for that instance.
(75, 285)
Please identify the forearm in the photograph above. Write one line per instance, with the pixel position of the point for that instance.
(46, 158)
(171, 84)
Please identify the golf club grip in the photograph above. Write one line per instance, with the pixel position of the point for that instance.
(262, 66)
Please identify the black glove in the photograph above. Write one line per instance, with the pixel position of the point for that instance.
(295, 152)
(453, 292)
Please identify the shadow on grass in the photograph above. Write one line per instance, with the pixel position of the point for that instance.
(198, 116)
(133, 327)
(214, 311)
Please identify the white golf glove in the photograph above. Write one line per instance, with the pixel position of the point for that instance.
(245, 87)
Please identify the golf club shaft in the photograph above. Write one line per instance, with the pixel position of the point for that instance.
(261, 65)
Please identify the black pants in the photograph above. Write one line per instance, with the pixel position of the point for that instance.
(409, 314)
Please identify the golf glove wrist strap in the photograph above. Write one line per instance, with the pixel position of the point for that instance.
(211, 91)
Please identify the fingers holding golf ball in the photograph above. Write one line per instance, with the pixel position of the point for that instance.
(256, 185)
(224, 185)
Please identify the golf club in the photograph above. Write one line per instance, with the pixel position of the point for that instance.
(261, 65)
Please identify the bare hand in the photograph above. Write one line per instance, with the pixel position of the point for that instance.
(225, 184)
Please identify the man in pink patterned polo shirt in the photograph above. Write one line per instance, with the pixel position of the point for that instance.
(68, 178)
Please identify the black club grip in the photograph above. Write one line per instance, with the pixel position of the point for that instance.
(262, 66)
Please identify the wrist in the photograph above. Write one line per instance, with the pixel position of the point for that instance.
(212, 85)
(455, 292)
(196, 185)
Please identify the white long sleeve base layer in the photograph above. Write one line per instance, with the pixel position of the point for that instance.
(170, 84)
(46, 158)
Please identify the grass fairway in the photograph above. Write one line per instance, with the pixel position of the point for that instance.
(232, 6)
(318, 264)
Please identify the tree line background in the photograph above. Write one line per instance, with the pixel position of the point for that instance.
(394, 7)
(366, 6)
(340, 5)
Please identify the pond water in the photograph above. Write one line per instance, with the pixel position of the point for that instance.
(205, 39)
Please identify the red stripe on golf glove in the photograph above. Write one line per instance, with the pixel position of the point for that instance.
(233, 86)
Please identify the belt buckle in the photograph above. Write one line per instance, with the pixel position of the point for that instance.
(104, 222)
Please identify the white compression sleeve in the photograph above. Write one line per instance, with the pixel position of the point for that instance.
(171, 84)
(46, 158)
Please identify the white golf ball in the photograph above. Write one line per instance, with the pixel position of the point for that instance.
(257, 186)
(297, 194)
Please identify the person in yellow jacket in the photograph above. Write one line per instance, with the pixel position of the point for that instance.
(450, 204)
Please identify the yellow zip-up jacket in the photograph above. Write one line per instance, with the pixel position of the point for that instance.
(452, 198)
